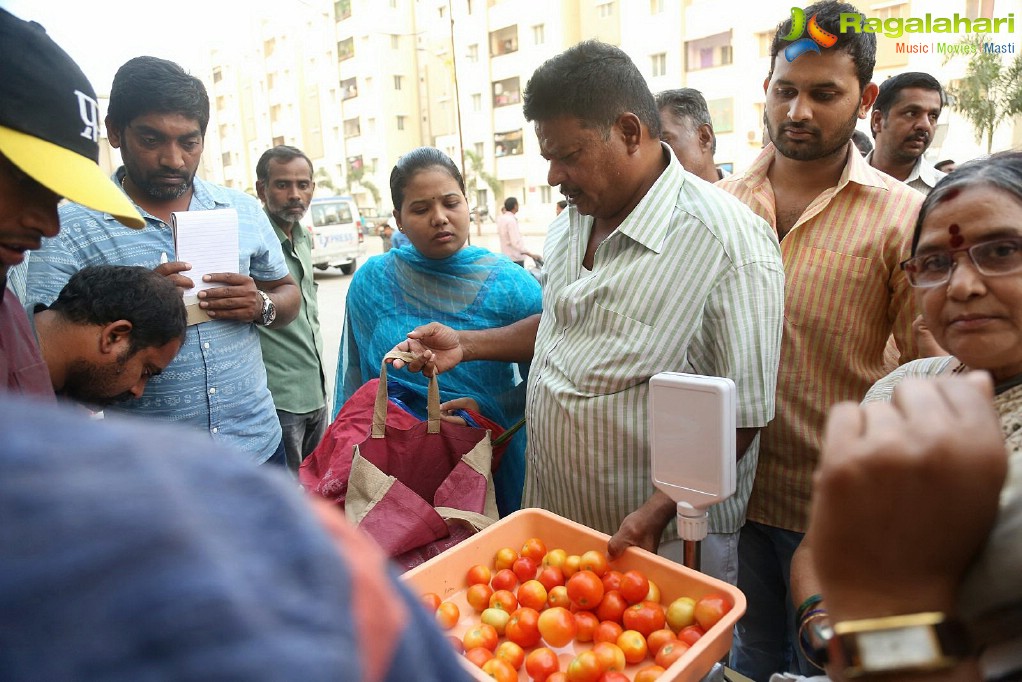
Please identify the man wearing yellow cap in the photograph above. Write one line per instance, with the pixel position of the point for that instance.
(49, 149)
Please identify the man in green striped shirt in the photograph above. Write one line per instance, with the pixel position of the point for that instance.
(650, 270)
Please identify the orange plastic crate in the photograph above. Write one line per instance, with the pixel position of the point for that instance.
(445, 575)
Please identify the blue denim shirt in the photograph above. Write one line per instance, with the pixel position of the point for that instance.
(217, 382)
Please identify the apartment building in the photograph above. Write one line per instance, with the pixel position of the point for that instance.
(358, 82)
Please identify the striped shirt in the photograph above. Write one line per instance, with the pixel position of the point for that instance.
(845, 295)
(217, 382)
(691, 281)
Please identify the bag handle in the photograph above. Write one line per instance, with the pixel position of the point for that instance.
(380, 407)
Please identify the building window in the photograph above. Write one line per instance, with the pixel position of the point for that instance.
(342, 9)
(545, 195)
(269, 46)
(507, 144)
(217, 75)
(349, 88)
(275, 113)
(605, 9)
(352, 128)
(473, 53)
(393, 4)
(708, 52)
(401, 122)
(345, 49)
(468, 6)
(278, 140)
(271, 80)
(765, 40)
(659, 64)
(372, 126)
(506, 92)
(538, 34)
(442, 10)
(656, 6)
(504, 41)
(398, 80)
(479, 149)
(477, 102)
(976, 9)
(221, 103)
(395, 42)
(225, 159)
(722, 113)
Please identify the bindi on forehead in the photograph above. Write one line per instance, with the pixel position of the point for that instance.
(956, 238)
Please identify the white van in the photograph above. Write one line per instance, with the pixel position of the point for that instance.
(336, 229)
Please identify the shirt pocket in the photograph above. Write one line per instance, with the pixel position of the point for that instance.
(606, 353)
(826, 291)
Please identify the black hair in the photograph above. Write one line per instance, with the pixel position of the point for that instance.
(594, 83)
(862, 142)
(890, 90)
(1002, 171)
(149, 84)
(562, 203)
(282, 153)
(945, 162)
(510, 204)
(860, 46)
(688, 104)
(101, 294)
(414, 161)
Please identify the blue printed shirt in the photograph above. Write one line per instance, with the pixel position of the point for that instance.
(217, 382)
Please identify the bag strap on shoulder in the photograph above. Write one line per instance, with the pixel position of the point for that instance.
(380, 407)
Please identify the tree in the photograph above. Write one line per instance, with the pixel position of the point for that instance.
(323, 179)
(990, 92)
(356, 178)
(474, 173)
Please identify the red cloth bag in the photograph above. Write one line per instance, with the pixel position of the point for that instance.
(416, 487)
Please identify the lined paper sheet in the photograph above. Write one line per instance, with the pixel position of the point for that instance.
(208, 240)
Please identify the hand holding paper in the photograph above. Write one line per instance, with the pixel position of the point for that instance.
(206, 244)
(237, 300)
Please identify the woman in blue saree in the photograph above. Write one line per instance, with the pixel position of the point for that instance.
(438, 278)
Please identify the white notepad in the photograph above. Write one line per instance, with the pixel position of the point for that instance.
(208, 241)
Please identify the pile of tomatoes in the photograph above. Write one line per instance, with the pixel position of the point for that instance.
(530, 602)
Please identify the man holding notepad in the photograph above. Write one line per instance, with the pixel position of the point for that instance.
(157, 118)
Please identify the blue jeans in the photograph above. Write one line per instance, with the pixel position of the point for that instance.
(766, 641)
(301, 434)
(278, 458)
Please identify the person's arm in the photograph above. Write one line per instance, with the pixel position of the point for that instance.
(904, 497)
(239, 299)
(643, 527)
(440, 348)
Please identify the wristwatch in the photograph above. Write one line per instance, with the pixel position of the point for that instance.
(898, 644)
(269, 313)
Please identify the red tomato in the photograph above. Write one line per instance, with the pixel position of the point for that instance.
(649, 673)
(558, 597)
(613, 676)
(479, 574)
(503, 599)
(512, 653)
(535, 549)
(585, 589)
(607, 631)
(525, 568)
(557, 626)
(479, 655)
(610, 656)
(541, 663)
(523, 628)
(611, 606)
(532, 594)
(558, 677)
(634, 645)
(551, 577)
(500, 670)
(634, 586)
(654, 592)
(658, 638)
(480, 635)
(669, 653)
(586, 623)
(504, 558)
(504, 579)
(691, 634)
(611, 580)
(594, 560)
(711, 608)
(646, 616)
(447, 615)
(584, 668)
(431, 600)
(478, 596)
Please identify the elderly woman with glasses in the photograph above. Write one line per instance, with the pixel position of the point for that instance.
(966, 270)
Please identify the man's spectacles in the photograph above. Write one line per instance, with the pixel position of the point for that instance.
(992, 258)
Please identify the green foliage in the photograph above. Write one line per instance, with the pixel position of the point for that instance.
(990, 92)
(474, 173)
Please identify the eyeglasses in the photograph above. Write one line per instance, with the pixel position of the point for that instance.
(992, 258)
